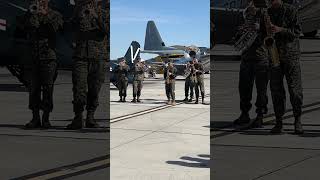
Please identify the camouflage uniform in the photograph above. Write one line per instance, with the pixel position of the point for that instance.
(122, 81)
(189, 83)
(254, 67)
(138, 77)
(199, 81)
(41, 30)
(89, 64)
(288, 46)
(170, 83)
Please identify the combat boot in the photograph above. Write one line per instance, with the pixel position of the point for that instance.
(202, 96)
(120, 100)
(124, 99)
(277, 129)
(90, 122)
(190, 100)
(45, 120)
(77, 122)
(169, 102)
(298, 126)
(35, 122)
(258, 122)
(197, 101)
(243, 119)
(185, 99)
(134, 100)
(138, 99)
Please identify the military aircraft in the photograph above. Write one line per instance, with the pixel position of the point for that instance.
(15, 49)
(228, 15)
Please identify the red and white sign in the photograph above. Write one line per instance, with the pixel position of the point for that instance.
(3, 25)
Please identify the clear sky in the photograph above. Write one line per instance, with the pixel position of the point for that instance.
(180, 22)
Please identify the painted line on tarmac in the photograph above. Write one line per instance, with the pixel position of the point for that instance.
(147, 111)
(68, 171)
(268, 119)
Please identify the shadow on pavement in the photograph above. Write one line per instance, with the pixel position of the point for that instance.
(202, 161)
(12, 88)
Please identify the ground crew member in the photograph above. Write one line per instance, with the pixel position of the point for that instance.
(170, 74)
(254, 67)
(89, 64)
(122, 72)
(41, 23)
(287, 29)
(138, 77)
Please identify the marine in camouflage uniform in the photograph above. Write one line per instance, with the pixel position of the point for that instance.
(122, 72)
(89, 62)
(198, 80)
(189, 82)
(287, 30)
(170, 74)
(138, 78)
(254, 68)
(42, 26)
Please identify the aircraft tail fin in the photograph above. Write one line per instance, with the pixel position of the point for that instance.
(133, 53)
(153, 40)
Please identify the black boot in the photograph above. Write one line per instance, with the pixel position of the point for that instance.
(90, 122)
(45, 120)
(77, 122)
(35, 122)
(185, 99)
(298, 126)
(202, 96)
(243, 119)
(277, 129)
(124, 99)
(138, 99)
(190, 100)
(120, 100)
(197, 100)
(258, 122)
(134, 100)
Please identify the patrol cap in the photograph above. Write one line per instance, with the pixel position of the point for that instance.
(121, 59)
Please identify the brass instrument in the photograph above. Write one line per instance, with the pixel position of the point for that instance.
(38, 6)
(270, 42)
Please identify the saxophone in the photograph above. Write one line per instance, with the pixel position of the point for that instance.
(270, 42)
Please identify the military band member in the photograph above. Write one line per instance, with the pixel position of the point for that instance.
(189, 82)
(287, 29)
(253, 69)
(122, 72)
(199, 80)
(89, 61)
(138, 78)
(41, 23)
(170, 74)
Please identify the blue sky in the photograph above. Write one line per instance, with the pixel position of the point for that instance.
(180, 22)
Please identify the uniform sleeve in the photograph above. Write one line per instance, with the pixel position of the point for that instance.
(293, 30)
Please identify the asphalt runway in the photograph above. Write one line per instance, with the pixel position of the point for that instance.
(255, 153)
(55, 153)
(154, 141)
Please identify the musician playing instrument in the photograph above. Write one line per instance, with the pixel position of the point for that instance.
(286, 26)
(254, 67)
(189, 81)
(198, 75)
(122, 71)
(138, 77)
(169, 76)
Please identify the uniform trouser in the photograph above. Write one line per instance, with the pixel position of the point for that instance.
(199, 85)
(43, 76)
(137, 87)
(122, 86)
(290, 68)
(87, 77)
(170, 90)
(250, 72)
(188, 85)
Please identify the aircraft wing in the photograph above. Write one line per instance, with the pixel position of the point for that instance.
(164, 52)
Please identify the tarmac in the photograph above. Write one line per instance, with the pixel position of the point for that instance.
(56, 153)
(154, 141)
(255, 154)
